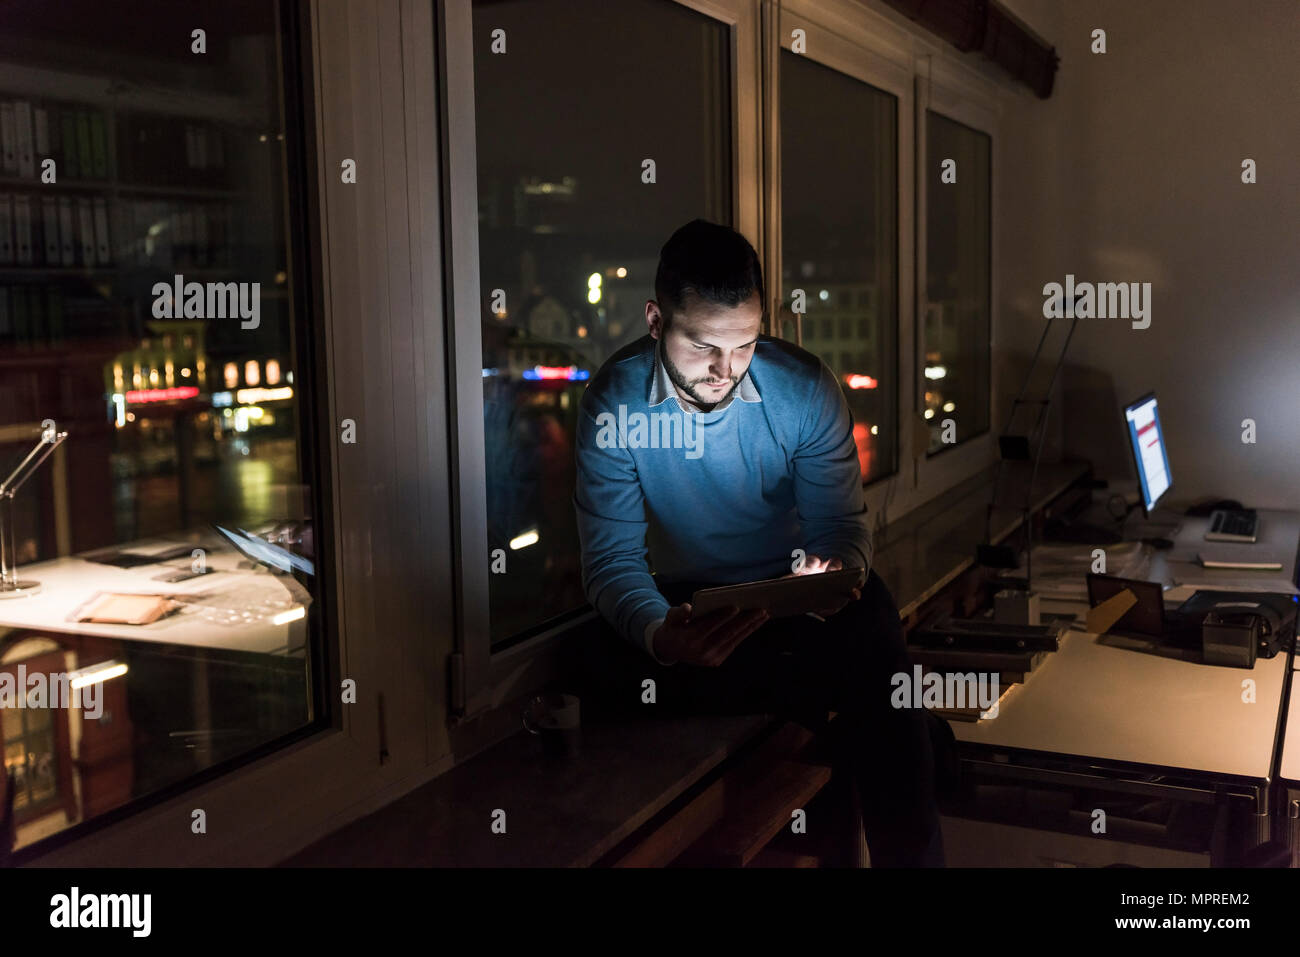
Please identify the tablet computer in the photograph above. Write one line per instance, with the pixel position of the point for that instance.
(781, 597)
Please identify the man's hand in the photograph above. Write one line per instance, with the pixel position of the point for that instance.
(834, 609)
(816, 565)
(706, 640)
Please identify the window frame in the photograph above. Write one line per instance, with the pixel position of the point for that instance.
(941, 88)
(481, 678)
(361, 68)
(840, 39)
(865, 40)
(973, 91)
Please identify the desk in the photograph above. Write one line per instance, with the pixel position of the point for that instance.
(1110, 699)
(192, 692)
(1279, 532)
(1109, 713)
(68, 582)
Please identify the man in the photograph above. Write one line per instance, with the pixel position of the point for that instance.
(730, 455)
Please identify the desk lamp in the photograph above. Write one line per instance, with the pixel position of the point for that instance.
(1018, 603)
(10, 586)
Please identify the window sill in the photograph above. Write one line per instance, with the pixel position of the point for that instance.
(556, 812)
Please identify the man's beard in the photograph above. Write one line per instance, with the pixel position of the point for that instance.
(679, 380)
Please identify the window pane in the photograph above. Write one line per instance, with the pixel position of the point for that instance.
(570, 238)
(956, 322)
(839, 217)
(146, 310)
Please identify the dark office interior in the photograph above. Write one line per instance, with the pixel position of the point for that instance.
(316, 551)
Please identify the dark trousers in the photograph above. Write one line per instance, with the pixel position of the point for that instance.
(800, 669)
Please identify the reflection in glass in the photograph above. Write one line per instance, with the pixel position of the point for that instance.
(144, 302)
(958, 265)
(839, 241)
(569, 242)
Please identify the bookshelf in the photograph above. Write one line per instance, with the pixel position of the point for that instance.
(148, 182)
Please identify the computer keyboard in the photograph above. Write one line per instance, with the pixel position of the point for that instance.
(1233, 526)
(241, 606)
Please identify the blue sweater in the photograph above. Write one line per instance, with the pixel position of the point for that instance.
(722, 496)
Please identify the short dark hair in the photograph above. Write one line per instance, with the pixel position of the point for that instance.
(710, 261)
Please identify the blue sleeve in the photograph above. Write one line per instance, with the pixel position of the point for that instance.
(828, 478)
(612, 524)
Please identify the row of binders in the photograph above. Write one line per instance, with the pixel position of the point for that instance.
(35, 316)
(79, 140)
(65, 231)
(76, 138)
(152, 147)
(31, 317)
(54, 231)
(163, 234)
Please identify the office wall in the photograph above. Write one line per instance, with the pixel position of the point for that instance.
(1132, 172)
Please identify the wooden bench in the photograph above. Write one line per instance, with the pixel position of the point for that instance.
(733, 820)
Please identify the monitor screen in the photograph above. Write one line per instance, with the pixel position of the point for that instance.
(1149, 455)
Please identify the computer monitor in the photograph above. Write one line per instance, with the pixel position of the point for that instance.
(1147, 442)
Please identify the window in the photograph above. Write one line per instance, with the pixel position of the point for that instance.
(840, 220)
(569, 240)
(33, 744)
(554, 289)
(957, 281)
(146, 259)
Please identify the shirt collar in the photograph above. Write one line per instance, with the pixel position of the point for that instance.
(661, 388)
